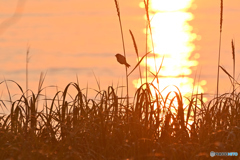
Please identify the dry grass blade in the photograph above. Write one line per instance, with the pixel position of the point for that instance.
(190, 106)
(219, 51)
(233, 55)
(156, 76)
(117, 7)
(229, 75)
(136, 49)
(138, 63)
(134, 42)
(124, 50)
(146, 3)
(41, 80)
(233, 50)
(221, 16)
(27, 61)
(98, 82)
(180, 113)
(9, 94)
(120, 23)
(15, 83)
(2, 103)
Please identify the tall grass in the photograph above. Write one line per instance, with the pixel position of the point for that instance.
(74, 127)
(136, 50)
(233, 55)
(27, 62)
(120, 23)
(220, 41)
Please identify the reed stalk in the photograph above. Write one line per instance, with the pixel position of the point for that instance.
(146, 3)
(146, 52)
(233, 55)
(120, 23)
(219, 51)
(146, 8)
(136, 50)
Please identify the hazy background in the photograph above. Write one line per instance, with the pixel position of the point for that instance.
(81, 37)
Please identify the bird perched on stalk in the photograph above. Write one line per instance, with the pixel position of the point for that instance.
(122, 60)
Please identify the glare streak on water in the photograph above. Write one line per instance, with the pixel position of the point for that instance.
(173, 38)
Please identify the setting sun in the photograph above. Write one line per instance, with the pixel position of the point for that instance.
(172, 38)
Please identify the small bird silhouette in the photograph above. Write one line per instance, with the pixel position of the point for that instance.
(122, 60)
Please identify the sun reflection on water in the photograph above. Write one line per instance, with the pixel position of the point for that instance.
(173, 37)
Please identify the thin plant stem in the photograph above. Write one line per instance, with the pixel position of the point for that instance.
(219, 51)
(146, 52)
(233, 55)
(136, 50)
(27, 61)
(150, 30)
(120, 22)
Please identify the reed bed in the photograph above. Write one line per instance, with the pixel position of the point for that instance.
(155, 127)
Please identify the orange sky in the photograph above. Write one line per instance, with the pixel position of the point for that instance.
(206, 24)
(77, 37)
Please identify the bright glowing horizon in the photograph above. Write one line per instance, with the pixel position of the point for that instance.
(172, 38)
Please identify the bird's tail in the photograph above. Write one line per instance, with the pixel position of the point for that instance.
(127, 65)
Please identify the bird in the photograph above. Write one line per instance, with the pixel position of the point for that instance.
(122, 60)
